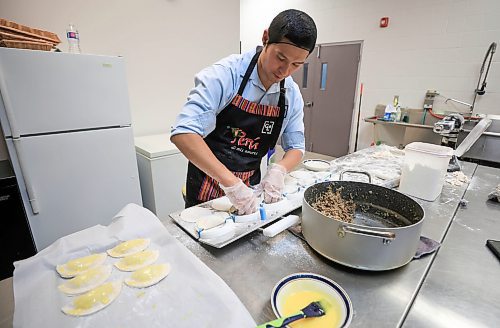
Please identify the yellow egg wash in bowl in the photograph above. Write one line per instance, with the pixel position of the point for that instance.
(296, 291)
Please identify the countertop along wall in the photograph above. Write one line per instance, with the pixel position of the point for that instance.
(164, 42)
(429, 44)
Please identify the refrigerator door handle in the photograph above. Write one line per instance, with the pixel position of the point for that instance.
(27, 181)
(17, 143)
(8, 108)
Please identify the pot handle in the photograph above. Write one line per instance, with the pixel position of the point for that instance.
(385, 235)
(341, 177)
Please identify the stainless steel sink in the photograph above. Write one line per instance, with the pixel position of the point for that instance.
(486, 150)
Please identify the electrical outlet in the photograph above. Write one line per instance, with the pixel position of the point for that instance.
(429, 98)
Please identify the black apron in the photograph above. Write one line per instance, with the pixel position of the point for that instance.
(243, 134)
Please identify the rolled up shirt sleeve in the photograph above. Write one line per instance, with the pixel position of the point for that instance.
(211, 93)
(293, 133)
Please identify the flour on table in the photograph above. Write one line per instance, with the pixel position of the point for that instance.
(457, 178)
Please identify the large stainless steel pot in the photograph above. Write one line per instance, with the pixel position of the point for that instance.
(385, 232)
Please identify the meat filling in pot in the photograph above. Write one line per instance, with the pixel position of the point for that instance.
(332, 205)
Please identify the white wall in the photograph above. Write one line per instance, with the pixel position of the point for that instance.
(164, 42)
(429, 44)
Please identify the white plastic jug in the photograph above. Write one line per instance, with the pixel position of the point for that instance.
(424, 169)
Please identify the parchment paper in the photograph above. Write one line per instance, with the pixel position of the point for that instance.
(192, 295)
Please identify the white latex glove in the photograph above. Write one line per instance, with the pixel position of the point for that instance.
(242, 197)
(273, 183)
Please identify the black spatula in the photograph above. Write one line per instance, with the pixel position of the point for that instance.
(312, 310)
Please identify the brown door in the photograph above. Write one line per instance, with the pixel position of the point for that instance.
(328, 86)
(305, 78)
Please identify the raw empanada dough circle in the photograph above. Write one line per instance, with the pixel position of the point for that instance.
(191, 214)
(212, 220)
(222, 204)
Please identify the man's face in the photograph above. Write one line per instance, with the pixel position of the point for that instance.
(280, 60)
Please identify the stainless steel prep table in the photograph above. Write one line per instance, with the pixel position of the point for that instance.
(462, 288)
(252, 266)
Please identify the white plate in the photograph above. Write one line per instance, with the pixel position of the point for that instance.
(300, 284)
(316, 165)
(301, 174)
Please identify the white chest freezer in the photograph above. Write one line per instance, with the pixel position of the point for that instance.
(162, 174)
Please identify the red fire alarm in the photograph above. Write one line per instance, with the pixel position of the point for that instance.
(384, 22)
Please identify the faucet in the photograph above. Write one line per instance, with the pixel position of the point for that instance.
(459, 102)
(481, 90)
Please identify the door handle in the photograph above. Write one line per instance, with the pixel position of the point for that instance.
(16, 141)
(309, 104)
(26, 175)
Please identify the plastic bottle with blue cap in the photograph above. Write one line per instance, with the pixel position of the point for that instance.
(73, 38)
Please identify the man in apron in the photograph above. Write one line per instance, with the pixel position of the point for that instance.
(236, 112)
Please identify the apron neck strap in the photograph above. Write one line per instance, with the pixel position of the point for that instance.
(281, 100)
(249, 70)
(283, 112)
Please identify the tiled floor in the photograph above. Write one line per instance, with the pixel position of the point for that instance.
(6, 303)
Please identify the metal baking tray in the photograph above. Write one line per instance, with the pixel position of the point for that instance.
(273, 212)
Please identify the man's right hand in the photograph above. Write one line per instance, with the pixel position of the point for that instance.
(242, 197)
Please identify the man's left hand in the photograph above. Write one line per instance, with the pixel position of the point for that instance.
(273, 183)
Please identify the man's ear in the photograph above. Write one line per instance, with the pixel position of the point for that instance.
(265, 37)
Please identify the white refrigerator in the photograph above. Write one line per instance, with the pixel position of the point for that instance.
(67, 126)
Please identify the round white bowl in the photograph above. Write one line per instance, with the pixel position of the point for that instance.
(315, 283)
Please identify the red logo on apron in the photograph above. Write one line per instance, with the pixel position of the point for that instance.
(241, 139)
